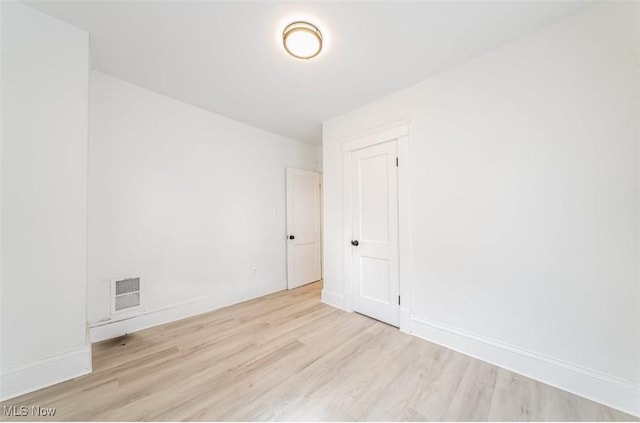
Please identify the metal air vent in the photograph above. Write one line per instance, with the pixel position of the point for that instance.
(125, 295)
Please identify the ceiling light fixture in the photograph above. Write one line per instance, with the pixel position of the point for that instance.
(302, 40)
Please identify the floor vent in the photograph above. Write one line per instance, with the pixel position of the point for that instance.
(125, 295)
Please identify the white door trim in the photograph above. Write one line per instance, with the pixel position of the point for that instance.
(399, 132)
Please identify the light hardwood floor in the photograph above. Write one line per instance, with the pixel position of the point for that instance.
(287, 356)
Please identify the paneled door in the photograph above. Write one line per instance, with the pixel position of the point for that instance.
(374, 243)
(303, 228)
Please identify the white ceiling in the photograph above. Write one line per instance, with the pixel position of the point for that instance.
(227, 57)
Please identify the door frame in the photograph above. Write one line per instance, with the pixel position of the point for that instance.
(398, 131)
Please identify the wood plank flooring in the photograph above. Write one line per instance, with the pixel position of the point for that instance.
(287, 356)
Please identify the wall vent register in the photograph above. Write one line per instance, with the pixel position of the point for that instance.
(125, 295)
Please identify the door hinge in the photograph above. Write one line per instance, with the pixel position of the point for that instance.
(398, 299)
(396, 162)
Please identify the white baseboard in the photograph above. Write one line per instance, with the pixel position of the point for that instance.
(101, 331)
(29, 377)
(332, 298)
(614, 392)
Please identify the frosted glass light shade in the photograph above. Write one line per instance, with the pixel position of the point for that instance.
(302, 40)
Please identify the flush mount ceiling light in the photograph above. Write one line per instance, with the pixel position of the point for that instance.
(302, 40)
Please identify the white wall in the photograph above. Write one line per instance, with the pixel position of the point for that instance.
(188, 200)
(525, 187)
(45, 84)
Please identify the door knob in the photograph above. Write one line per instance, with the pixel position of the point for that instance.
(355, 243)
(292, 237)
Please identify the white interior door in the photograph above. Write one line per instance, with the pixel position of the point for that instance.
(303, 227)
(374, 244)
